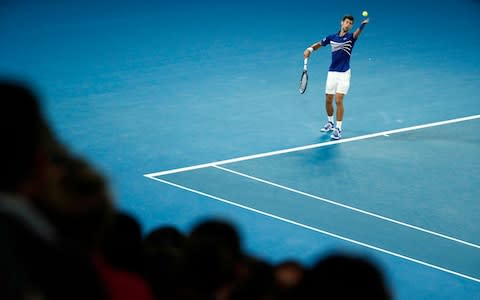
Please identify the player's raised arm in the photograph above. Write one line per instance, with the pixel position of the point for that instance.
(359, 30)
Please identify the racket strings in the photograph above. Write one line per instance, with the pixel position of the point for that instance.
(303, 82)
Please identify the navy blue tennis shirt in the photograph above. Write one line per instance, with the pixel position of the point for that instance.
(342, 47)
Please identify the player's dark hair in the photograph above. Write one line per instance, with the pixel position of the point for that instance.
(350, 17)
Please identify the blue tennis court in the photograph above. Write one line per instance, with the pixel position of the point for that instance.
(192, 110)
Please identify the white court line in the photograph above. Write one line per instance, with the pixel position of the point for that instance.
(352, 139)
(349, 207)
(318, 230)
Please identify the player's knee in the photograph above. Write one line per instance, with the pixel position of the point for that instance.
(339, 99)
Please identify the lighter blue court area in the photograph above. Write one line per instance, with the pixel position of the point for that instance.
(192, 110)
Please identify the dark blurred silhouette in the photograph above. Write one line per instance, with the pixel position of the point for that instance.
(122, 245)
(78, 202)
(288, 275)
(211, 255)
(163, 254)
(257, 281)
(342, 276)
(34, 261)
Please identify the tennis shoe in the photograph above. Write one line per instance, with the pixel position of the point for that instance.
(337, 134)
(328, 127)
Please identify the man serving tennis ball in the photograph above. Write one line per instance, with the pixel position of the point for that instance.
(338, 77)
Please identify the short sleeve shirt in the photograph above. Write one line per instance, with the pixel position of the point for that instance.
(342, 47)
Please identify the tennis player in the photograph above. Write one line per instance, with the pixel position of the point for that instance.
(338, 77)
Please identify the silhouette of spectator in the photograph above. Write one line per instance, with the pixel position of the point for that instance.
(257, 282)
(220, 232)
(33, 263)
(164, 238)
(288, 275)
(79, 204)
(212, 253)
(163, 253)
(340, 276)
(122, 246)
(77, 201)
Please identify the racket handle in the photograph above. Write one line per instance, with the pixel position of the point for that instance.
(305, 61)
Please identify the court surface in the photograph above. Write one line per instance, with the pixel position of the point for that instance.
(192, 110)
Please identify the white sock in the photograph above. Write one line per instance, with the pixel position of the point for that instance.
(330, 119)
(339, 125)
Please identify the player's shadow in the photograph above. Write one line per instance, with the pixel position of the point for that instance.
(329, 152)
(324, 154)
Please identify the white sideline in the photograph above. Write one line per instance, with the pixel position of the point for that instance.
(320, 231)
(350, 207)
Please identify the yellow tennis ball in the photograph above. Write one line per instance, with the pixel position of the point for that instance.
(365, 13)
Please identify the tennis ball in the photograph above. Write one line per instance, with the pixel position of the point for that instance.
(365, 13)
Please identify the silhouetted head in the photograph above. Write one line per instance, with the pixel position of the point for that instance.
(24, 137)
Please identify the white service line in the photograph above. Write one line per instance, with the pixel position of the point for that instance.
(349, 207)
(317, 230)
(312, 146)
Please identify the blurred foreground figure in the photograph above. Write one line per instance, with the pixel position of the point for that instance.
(34, 264)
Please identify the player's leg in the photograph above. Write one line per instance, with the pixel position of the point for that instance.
(337, 131)
(330, 87)
(342, 90)
(329, 108)
(329, 104)
(339, 105)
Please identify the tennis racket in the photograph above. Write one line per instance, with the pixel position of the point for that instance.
(303, 82)
(304, 78)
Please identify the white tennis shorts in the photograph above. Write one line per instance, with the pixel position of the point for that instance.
(338, 82)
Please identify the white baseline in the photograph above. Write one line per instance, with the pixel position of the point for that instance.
(312, 146)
